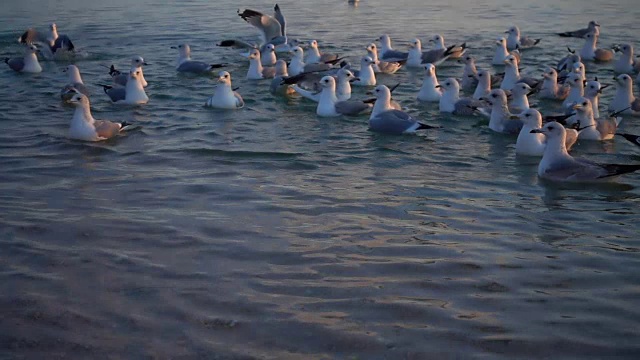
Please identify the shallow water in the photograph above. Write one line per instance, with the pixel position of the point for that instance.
(270, 233)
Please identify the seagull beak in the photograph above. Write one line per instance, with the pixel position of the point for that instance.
(536, 131)
(576, 106)
(174, 47)
(354, 79)
(603, 87)
(506, 32)
(145, 63)
(515, 117)
(438, 86)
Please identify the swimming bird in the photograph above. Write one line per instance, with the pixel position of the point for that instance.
(455, 52)
(576, 89)
(75, 82)
(133, 93)
(517, 41)
(468, 81)
(52, 43)
(387, 52)
(592, 91)
(565, 65)
(501, 119)
(430, 91)
(580, 33)
(344, 78)
(223, 96)
(512, 75)
(519, 98)
(626, 63)
(501, 53)
(85, 127)
(314, 56)
(268, 55)
(385, 119)
(28, 64)
(120, 78)
(298, 66)
(330, 106)
(385, 67)
(596, 129)
(365, 76)
(624, 100)
(590, 52)
(451, 102)
(533, 144)
(483, 88)
(186, 65)
(278, 87)
(558, 165)
(272, 29)
(256, 70)
(417, 57)
(550, 88)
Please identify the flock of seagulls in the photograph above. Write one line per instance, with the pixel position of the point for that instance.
(327, 79)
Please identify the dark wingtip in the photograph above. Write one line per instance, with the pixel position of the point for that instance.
(105, 88)
(226, 43)
(423, 126)
(217, 66)
(631, 138)
(394, 87)
(6, 60)
(564, 34)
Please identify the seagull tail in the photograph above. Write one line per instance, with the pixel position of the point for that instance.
(635, 139)
(565, 34)
(619, 169)
(105, 87)
(423, 126)
(125, 126)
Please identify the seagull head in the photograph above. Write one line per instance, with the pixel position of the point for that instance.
(328, 81)
(138, 61)
(224, 78)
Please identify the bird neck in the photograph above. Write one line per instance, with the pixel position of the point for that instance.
(75, 78)
(82, 114)
(255, 66)
(381, 105)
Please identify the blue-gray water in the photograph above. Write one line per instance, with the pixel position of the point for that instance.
(269, 233)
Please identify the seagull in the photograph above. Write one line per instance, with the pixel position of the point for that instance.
(601, 129)
(624, 100)
(430, 91)
(75, 83)
(451, 102)
(502, 53)
(417, 57)
(469, 81)
(85, 127)
(591, 53)
(626, 63)
(385, 67)
(565, 65)
(186, 65)
(512, 75)
(268, 55)
(120, 78)
(484, 84)
(277, 84)
(550, 88)
(314, 56)
(455, 52)
(272, 29)
(516, 41)
(501, 119)
(133, 93)
(533, 144)
(385, 119)
(343, 87)
(387, 53)
(256, 70)
(519, 100)
(576, 89)
(365, 76)
(298, 66)
(558, 165)
(592, 91)
(223, 96)
(580, 33)
(51, 42)
(28, 64)
(329, 106)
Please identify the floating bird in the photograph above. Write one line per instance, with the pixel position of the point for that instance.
(558, 165)
(501, 119)
(501, 53)
(484, 84)
(256, 70)
(580, 33)
(455, 52)
(385, 67)
(519, 98)
(365, 76)
(28, 64)
(385, 119)
(626, 63)
(387, 53)
(592, 91)
(417, 57)
(590, 52)
(51, 42)
(344, 78)
(272, 29)
(430, 91)
(314, 56)
(533, 144)
(330, 106)
(298, 66)
(133, 93)
(451, 102)
(277, 84)
(512, 75)
(516, 41)
(186, 65)
(120, 78)
(223, 96)
(550, 88)
(624, 100)
(468, 81)
(75, 83)
(85, 127)
(600, 129)
(268, 55)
